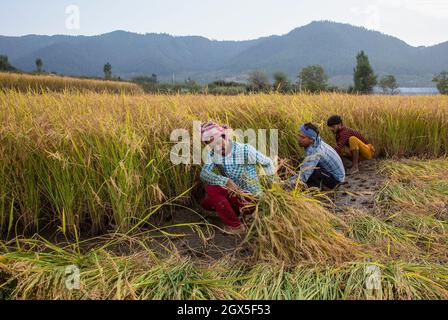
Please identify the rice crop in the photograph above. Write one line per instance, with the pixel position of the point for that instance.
(54, 83)
(90, 158)
(90, 163)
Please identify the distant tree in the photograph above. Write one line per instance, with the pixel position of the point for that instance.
(107, 71)
(5, 65)
(363, 75)
(441, 81)
(39, 65)
(190, 82)
(389, 84)
(258, 81)
(224, 87)
(335, 89)
(146, 80)
(224, 83)
(154, 78)
(312, 79)
(281, 82)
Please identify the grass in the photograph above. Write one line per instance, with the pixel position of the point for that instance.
(89, 159)
(416, 198)
(32, 275)
(293, 227)
(52, 83)
(91, 163)
(417, 186)
(390, 240)
(304, 252)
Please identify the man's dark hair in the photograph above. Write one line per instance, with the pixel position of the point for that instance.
(311, 126)
(334, 120)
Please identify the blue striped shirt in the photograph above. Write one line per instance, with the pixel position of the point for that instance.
(240, 165)
(321, 155)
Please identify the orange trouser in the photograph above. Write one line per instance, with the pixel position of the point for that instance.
(366, 151)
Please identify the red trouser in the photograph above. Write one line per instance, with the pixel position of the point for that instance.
(227, 205)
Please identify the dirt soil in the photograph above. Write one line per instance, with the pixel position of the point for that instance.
(207, 242)
(358, 192)
(360, 189)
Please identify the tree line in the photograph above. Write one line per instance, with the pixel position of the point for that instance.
(311, 79)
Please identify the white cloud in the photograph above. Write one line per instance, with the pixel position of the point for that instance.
(371, 16)
(431, 8)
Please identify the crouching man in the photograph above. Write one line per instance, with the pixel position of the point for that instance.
(322, 166)
(233, 189)
(350, 143)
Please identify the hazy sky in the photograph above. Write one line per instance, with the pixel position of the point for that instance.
(418, 22)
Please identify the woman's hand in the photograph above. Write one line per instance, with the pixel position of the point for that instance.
(232, 186)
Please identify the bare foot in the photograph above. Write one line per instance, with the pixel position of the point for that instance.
(353, 171)
(235, 231)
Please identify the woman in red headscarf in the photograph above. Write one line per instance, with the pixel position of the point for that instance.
(232, 190)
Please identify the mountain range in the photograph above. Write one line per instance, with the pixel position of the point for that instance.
(330, 44)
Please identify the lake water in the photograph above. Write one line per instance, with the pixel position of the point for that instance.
(414, 91)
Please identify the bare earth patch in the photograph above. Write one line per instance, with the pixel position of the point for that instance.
(358, 192)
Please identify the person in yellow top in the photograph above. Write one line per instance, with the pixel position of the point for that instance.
(350, 143)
